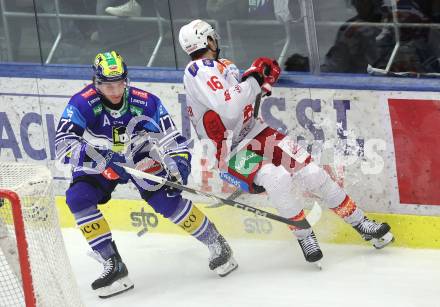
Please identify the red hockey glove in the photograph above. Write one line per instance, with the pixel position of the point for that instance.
(266, 71)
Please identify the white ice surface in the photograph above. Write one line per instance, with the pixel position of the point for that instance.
(173, 271)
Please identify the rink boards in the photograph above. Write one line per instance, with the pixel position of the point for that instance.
(380, 145)
(140, 220)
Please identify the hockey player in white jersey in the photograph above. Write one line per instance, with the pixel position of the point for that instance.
(252, 155)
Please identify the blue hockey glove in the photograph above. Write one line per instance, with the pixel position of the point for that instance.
(178, 167)
(115, 164)
(101, 160)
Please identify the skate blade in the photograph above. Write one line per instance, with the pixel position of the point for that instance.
(117, 287)
(226, 268)
(384, 241)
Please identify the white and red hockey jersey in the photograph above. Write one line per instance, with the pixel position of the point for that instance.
(218, 105)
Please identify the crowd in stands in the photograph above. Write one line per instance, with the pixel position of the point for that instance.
(367, 38)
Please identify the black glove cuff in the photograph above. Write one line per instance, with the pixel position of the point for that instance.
(256, 76)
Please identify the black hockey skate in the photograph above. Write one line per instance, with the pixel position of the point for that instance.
(378, 233)
(310, 248)
(221, 260)
(114, 280)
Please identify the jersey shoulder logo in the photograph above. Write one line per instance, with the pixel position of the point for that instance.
(193, 69)
(88, 93)
(139, 93)
(208, 62)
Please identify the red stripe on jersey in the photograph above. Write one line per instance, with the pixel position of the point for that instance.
(215, 129)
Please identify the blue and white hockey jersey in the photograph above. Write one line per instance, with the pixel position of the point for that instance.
(87, 121)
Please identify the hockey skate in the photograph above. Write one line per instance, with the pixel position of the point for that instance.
(221, 260)
(378, 233)
(114, 280)
(310, 248)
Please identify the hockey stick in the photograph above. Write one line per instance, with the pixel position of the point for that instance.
(300, 224)
(233, 196)
(257, 105)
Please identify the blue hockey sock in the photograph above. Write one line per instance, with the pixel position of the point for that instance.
(95, 229)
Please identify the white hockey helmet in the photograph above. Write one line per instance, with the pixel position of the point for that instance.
(194, 35)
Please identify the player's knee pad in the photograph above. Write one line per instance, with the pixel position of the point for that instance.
(82, 195)
(316, 180)
(190, 218)
(278, 184)
(311, 177)
(94, 228)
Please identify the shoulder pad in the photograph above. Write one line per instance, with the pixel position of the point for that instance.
(88, 94)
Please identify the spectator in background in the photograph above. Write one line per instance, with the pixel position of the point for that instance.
(134, 38)
(74, 33)
(253, 10)
(249, 9)
(223, 10)
(145, 34)
(297, 62)
(414, 54)
(261, 9)
(122, 31)
(282, 10)
(73, 29)
(129, 9)
(133, 8)
(118, 30)
(355, 45)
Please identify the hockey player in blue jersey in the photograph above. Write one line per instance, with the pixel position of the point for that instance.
(109, 124)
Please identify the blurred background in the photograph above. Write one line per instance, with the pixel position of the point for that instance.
(319, 36)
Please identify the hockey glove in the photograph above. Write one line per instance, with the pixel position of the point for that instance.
(104, 161)
(178, 167)
(113, 168)
(266, 71)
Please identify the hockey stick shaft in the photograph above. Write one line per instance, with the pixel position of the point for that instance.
(300, 224)
(257, 105)
(233, 196)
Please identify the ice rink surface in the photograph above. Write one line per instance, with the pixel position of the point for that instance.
(172, 270)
